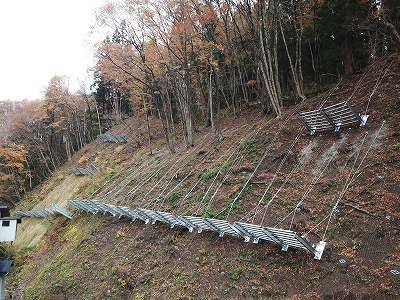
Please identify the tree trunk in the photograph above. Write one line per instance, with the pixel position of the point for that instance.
(348, 61)
(269, 79)
(269, 61)
(164, 122)
(171, 116)
(147, 123)
(210, 100)
(295, 69)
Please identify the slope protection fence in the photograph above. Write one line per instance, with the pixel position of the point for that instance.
(45, 212)
(163, 171)
(248, 231)
(108, 138)
(80, 171)
(331, 117)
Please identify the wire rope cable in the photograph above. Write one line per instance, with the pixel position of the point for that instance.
(325, 163)
(236, 151)
(378, 82)
(329, 216)
(294, 142)
(268, 148)
(239, 154)
(351, 177)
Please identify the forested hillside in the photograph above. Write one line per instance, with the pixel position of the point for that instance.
(342, 188)
(189, 64)
(206, 94)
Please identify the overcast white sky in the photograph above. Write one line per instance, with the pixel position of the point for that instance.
(40, 39)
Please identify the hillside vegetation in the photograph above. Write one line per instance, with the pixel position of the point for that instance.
(257, 171)
(191, 64)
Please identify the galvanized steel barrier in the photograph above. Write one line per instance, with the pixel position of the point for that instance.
(108, 138)
(331, 117)
(80, 171)
(283, 238)
(45, 212)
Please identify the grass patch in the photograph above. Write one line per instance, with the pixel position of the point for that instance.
(209, 174)
(207, 213)
(172, 197)
(249, 147)
(55, 277)
(139, 297)
(83, 160)
(356, 244)
(235, 274)
(178, 276)
(212, 173)
(75, 233)
(266, 198)
(30, 232)
(279, 202)
(231, 205)
(396, 146)
(139, 154)
(25, 250)
(161, 142)
(201, 197)
(119, 149)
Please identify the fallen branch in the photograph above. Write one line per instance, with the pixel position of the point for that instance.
(359, 209)
(360, 192)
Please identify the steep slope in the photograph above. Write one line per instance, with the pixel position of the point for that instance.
(261, 171)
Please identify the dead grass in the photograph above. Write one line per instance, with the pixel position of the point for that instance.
(30, 232)
(57, 190)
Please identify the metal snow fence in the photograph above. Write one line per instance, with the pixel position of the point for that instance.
(42, 213)
(331, 117)
(80, 171)
(108, 138)
(282, 237)
(45, 212)
(62, 211)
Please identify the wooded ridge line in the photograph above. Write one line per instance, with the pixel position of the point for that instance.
(175, 66)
